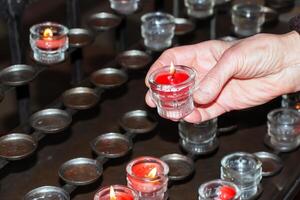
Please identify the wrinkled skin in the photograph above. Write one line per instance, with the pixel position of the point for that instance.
(237, 75)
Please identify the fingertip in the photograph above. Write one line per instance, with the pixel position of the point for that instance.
(149, 100)
(194, 117)
(202, 97)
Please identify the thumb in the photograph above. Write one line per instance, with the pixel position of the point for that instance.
(213, 82)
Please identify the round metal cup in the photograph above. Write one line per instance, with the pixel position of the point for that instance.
(80, 98)
(180, 166)
(108, 78)
(104, 21)
(183, 26)
(79, 37)
(47, 193)
(50, 120)
(133, 59)
(17, 146)
(111, 145)
(80, 171)
(138, 121)
(16, 75)
(271, 163)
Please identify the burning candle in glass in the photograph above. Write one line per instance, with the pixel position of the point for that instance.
(219, 190)
(148, 176)
(49, 41)
(171, 88)
(116, 192)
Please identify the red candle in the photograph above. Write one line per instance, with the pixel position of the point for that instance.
(49, 40)
(171, 78)
(227, 193)
(148, 176)
(116, 192)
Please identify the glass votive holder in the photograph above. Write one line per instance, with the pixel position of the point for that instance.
(284, 129)
(199, 9)
(124, 7)
(243, 169)
(148, 176)
(198, 138)
(116, 192)
(247, 18)
(172, 91)
(49, 41)
(291, 101)
(219, 190)
(157, 30)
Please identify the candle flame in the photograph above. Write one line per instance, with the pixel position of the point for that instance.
(48, 33)
(152, 173)
(112, 194)
(172, 69)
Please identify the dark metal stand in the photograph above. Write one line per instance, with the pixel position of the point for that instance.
(121, 35)
(159, 5)
(73, 16)
(13, 11)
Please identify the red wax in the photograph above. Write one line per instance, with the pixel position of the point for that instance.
(140, 180)
(119, 196)
(171, 79)
(227, 193)
(50, 43)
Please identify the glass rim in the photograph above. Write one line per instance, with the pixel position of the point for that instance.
(192, 76)
(160, 176)
(117, 187)
(224, 159)
(158, 13)
(64, 29)
(236, 6)
(228, 183)
(272, 113)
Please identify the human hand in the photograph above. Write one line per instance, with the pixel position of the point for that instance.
(237, 75)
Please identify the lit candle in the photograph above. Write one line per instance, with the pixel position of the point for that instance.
(171, 88)
(172, 77)
(49, 40)
(116, 192)
(148, 176)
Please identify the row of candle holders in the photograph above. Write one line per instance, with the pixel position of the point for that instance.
(17, 146)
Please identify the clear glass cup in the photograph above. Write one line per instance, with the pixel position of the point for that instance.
(198, 138)
(49, 42)
(173, 101)
(149, 184)
(219, 190)
(158, 30)
(243, 169)
(200, 8)
(124, 7)
(291, 101)
(284, 128)
(120, 192)
(248, 18)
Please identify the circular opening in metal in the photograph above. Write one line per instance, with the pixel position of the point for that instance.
(16, 75)
(180, 166)
(108, 78)
(16, 146)
(271, 163)
(50, 120)
(47, 193)
(138, 121)
(104, 21)
(79, 37)
(80, 98)
(183, 26)
(133, 59)
(80, 171)
(111, 145)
